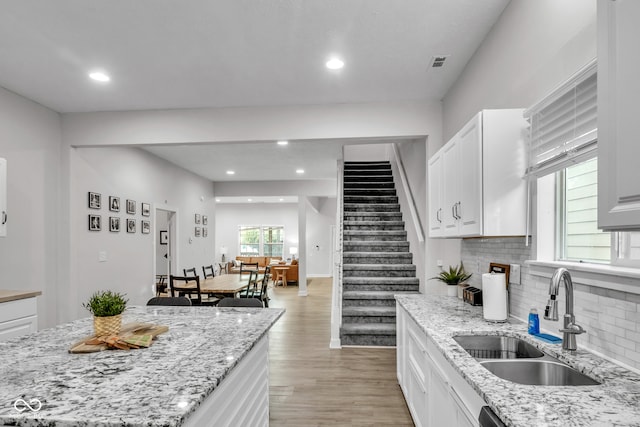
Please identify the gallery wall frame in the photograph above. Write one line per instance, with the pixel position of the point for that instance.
(145, 209)
(131, 206)
(114, 204)
(145, 227)
(131, 225)
(114, 224)
(95, 222)
(94, 200)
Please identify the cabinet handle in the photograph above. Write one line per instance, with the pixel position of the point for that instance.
(453, 211)
(4, 217)
(458, 213)
(438, 214)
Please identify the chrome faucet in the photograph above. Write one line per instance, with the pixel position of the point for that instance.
(571, 329)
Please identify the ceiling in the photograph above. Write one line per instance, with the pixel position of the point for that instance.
(166, 54)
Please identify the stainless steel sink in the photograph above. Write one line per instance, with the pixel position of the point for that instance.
(538, 372)
(497, 347)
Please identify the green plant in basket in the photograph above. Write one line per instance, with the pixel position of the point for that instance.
(106, 303)
(454, 276)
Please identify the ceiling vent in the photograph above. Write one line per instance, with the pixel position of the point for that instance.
(438, 61)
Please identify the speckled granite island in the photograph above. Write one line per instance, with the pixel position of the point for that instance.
(206, 366)
(616, 402)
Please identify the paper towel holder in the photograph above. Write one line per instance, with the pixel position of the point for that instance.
(495, 267)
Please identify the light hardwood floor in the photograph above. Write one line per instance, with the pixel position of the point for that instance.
(312, 385)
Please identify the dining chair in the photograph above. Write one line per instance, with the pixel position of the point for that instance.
(240, 302)
(189, 271)
(169, 301)
(179, 285)
(208, 271)
(161, 284)
(246, 267)
(252, 285)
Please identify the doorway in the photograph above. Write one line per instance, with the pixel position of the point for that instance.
(166, 249)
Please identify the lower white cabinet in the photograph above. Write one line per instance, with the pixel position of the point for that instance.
(18, 318)
(435, 393)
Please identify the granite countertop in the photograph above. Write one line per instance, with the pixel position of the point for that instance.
(7, 295)
(157, 386)
(614, 403)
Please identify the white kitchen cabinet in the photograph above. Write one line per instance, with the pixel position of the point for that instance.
(436, 394)
(482, 185)
(18, 317)
(618, 94)
(435, 196)
(3, 197)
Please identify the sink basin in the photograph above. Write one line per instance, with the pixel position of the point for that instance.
(537, 372)
(497, 347)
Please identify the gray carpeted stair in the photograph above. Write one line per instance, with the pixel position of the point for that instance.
(376, 260)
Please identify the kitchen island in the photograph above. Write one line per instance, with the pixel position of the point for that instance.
(203, 369)
(614, 402)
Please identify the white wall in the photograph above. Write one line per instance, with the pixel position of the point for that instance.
(367, 152)
(533, 47)
(130, 173)
(230, 216)
(30, 139)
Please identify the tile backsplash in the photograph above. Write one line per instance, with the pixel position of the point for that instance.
(611, 318)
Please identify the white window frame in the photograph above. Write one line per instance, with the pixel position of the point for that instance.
(261, 242)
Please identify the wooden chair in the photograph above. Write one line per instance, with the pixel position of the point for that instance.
(180, 285)
(189, 272)
(208, 271)
(161, 284)
(169, 301)
(248, 267)
(252, 285)
(240, 302)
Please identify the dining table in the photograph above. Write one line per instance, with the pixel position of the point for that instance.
(228, 285)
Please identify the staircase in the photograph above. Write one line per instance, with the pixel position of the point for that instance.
(376, 260)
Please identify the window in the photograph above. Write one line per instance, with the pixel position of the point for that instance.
(272, 241)
(563, 145)
(261, 240)
(249, 240)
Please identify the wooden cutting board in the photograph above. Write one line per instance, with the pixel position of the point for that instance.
(135, 331)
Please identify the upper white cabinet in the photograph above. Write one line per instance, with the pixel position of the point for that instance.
(476, 180)
(618, 94)
(3, 197)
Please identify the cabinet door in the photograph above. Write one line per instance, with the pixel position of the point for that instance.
(450, 187)
(469, 208)
(3, 197)
(442, 411)
(435, 196)
(618, 94)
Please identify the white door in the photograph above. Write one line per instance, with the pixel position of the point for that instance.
(3, 198)
(435, 196)
(450, 187)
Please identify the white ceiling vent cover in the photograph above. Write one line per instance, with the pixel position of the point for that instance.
(438, 61)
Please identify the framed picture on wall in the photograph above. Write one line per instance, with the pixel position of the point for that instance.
(95, 223)
(95, 200)
(197, 232)
(114, 223)
(205, 220)
(145, 227)
(131, 225)
(164, 237)
(131, 206)
(204, 232)
(197, 218)
(114, 204)
(146, 209)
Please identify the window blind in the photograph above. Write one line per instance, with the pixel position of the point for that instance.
(564, 126)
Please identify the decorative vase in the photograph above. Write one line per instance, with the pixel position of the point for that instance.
(461, 287)
(108, 325)
(452, 290)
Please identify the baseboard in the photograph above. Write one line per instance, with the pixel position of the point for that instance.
(319, 276)
(335, 343)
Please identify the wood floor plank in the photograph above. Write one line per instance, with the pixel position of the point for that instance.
(313, 385)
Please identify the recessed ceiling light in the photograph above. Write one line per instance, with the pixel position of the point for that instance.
(99, 76)
(230, 172)
(218, 200)
(282, 200)
(283, 142)
(300, 171)
(334, 64)
(249, 200)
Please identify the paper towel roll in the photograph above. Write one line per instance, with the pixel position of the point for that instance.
(494, 297)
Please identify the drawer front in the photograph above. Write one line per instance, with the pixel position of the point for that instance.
(17, 309)
(18, 327)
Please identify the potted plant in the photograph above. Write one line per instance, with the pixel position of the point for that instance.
(453, 277)
(107, 308)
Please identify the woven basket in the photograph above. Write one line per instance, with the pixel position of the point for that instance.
(109, 325)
